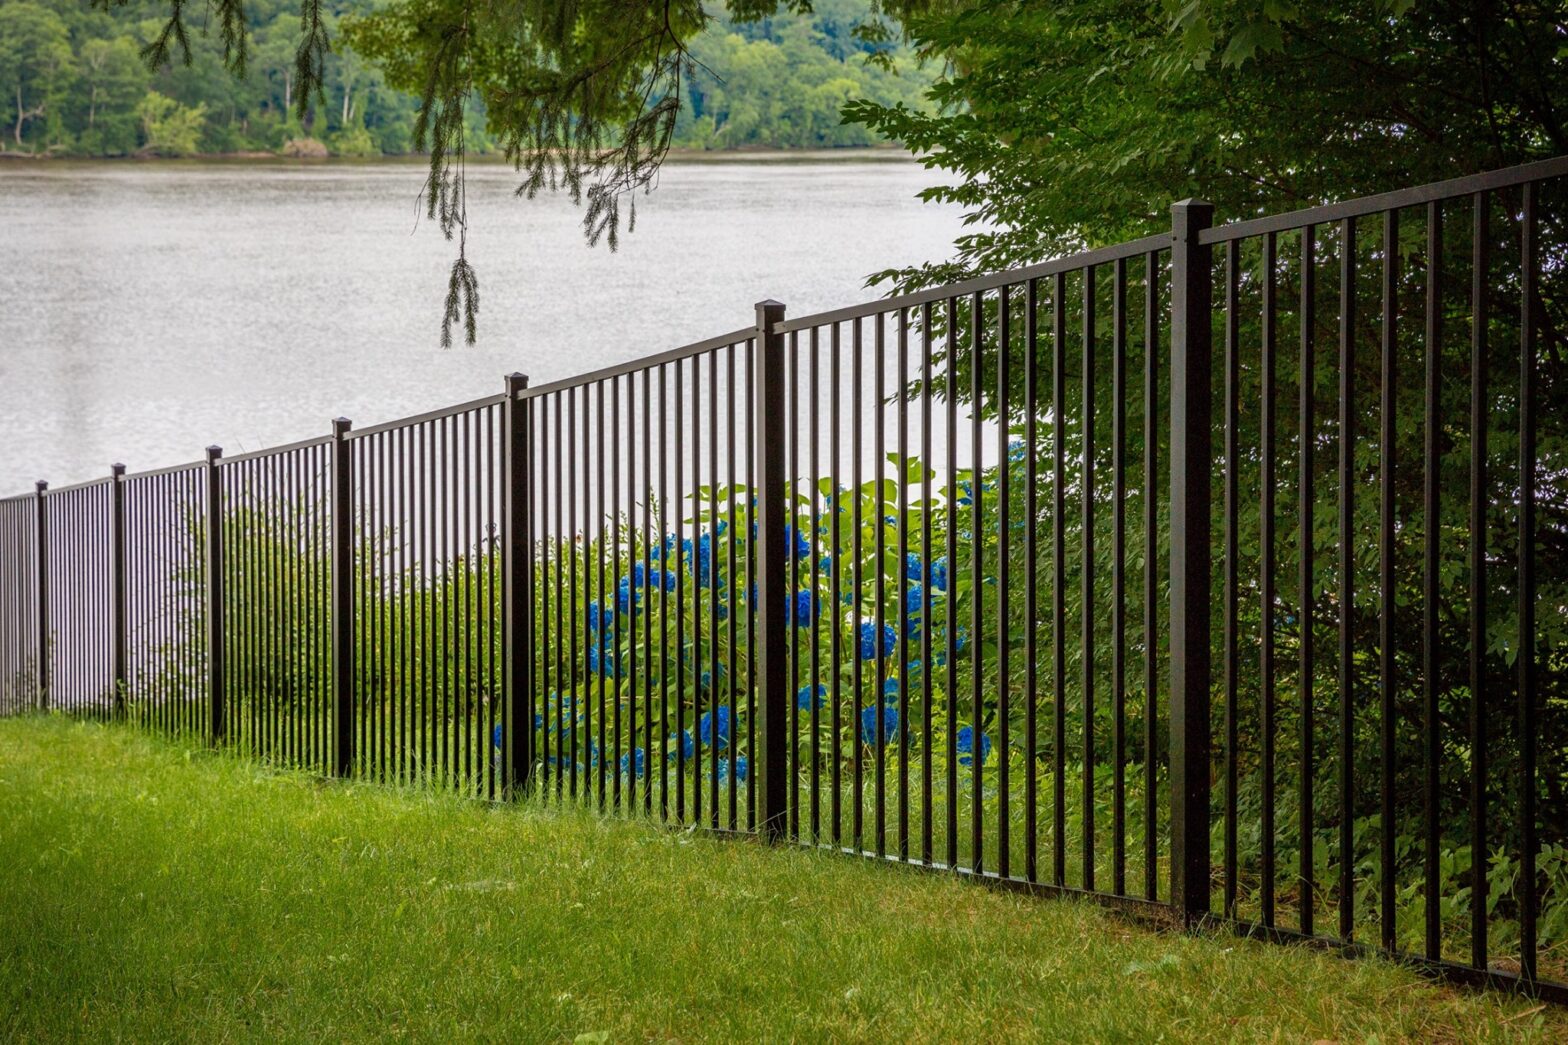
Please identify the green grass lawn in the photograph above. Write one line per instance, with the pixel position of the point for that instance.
(148, 891)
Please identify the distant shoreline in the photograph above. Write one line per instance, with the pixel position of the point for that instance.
(747, 154)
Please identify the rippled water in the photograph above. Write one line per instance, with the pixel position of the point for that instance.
(148, 310)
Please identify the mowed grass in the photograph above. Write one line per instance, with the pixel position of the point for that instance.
(149, 892)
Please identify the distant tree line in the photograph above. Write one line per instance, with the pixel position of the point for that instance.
(73, 81)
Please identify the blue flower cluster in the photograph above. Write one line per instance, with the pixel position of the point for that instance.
(716, 724)
(868, 724)
(811, 697)
(634, 763)
(705, 565)
(797, 545)
(914, 611)
(868, 640)
(804, 608)
(966, 746)
(742, 769)
(935, 577)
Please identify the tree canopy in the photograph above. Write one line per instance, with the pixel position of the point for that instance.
(1072, 123)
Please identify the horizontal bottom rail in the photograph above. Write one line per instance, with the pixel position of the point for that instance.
(1437, 969)
(1164, 916)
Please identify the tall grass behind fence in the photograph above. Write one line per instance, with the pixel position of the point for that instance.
(1218, 575)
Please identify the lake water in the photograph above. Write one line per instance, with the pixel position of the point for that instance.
(147, 310)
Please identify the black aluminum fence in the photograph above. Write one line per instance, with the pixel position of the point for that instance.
(1058, 578)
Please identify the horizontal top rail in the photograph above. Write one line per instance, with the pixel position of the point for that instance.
(272, 451)
(1489, 181)
(1071, 263)
(429, 415)
(673, 355)
(84, 485)
(153, 473)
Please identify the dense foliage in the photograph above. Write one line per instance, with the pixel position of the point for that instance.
(76, 83)
(1077, 124)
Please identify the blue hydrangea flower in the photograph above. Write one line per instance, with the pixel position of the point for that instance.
(913, 669)
(807, 604)
(725, 728)
(600, 619)
(809, 697)
(868, 640)
(601, 662)
(966, 746)
(627, 599)
(914, 608)
(634, 763)
(939, 574)
(688, 747)
(890, 690)
(914, 569)
(741, 768)
(1015, 450)
(966, 495)
(825, 565)
(796, 543)
(706, 567)
(868, 724)
(495, 734)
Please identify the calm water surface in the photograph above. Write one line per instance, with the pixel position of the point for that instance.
(148, 310)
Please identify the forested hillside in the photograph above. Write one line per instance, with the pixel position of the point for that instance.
(72, 82)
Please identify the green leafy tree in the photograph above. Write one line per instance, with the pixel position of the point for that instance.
(1076, 123)
(170, 129)
(111, 80)
(35, 62)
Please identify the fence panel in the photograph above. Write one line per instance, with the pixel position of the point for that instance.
(977, 489)
(642, 599)
(19, 629)
(164, 617)
(278, 700)
(427, 501)
(79, 527)
(1391, 577)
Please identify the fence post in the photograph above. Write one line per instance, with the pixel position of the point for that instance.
(120, 637)
(771, 770)
(215, 622)
(42, 523)
(342, 598)
(1191, 474)
(517, 598)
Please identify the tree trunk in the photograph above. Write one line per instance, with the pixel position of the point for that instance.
(20, 116)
